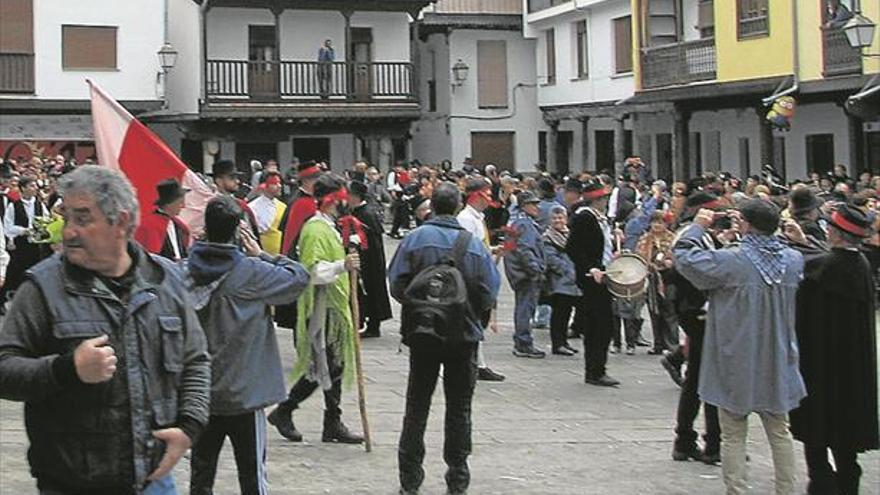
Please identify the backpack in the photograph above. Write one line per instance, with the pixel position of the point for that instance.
(436, 301)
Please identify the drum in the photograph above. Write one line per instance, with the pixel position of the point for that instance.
(627, 276)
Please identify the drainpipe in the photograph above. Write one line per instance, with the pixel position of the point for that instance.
(795, 59)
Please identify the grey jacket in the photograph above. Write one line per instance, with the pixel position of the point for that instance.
(526, 264)
(99, 437)
(232, 295)
(560, 277)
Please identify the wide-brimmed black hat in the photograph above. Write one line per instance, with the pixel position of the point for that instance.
(802, 200)
(224, 168)
(851, 220)
(169, 191)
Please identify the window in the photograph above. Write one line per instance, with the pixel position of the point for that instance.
(622, 45)
(583, 59)
(432, 83)
(492, 74)
(753, 18)
(820, 153)
(493, 147)
(16, 26)
(88, 47)
(706, 19)
(537, 5)
(550, 38)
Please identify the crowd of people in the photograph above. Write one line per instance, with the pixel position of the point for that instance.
(760, 296)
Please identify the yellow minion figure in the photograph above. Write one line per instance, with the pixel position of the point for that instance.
(781, 113)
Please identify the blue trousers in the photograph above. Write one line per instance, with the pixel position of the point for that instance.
(526, 299)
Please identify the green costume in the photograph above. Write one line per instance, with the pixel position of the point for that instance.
(319, 241)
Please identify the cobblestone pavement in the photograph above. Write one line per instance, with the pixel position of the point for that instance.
(541, 431)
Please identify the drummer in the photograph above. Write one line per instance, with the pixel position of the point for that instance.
(590, 247)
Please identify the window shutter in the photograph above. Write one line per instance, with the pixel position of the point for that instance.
(16, 26)
(88, 47)
(551, 56)
(492, 74)
(623, 44)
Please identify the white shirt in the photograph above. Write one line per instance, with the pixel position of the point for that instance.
(4, 255)
(13, 231)
(326, 272)
(473, 221)
(172, 236)
(264, 211)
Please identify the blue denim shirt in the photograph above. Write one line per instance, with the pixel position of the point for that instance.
(430, 243)
(525, 264)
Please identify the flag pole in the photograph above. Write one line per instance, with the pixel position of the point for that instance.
(362, 394)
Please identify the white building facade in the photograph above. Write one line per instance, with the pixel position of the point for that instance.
(49, 48)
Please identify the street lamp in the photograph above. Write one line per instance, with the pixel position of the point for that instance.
(459, 73)
(167, 58)
(859, 32)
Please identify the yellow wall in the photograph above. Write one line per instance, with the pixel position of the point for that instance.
(871, 10)
(753, 58)
(810, 39)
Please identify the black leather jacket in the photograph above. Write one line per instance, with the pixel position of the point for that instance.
(98, 438)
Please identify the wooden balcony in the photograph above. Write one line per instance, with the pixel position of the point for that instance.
(17, 73)
(839, 58)
(678, 63)
(292, 81)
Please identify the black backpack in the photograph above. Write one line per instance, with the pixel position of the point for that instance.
(435, 308)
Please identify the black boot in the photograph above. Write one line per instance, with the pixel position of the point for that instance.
(337, 432)
(281, 419)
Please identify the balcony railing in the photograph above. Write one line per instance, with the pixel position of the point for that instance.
(289, 80)
(840, 58)
(16, 73)
(678, 63)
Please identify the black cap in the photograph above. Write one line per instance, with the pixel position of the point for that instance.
(761, 214)
(851, 220)
(169, 191)
(224, 168)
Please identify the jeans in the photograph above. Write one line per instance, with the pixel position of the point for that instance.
(526, 298)
(459, 378)
(561, 305)
(734, 432)
(162, 486)
(689, 401)
(542, 316)
(594, 317)
(823, 479)
(247, 432)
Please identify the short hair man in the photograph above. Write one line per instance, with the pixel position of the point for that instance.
(232, 293)
(750, 352)
(423, 247)
(227, 180)
(269, 212)
(105, 349)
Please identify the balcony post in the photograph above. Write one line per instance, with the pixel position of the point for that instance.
(585, 142)
(348, 67)
(619, 144)
(552, 140)
(203, 40)
(277, 10)
(680, 138)
(856, 140)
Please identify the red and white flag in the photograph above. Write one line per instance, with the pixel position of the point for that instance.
(125, 144)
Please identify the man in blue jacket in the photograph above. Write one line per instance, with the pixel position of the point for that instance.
(427, 246)
(524, 267)
(232, 294)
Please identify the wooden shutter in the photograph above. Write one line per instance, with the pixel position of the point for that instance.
(583, 50)
(88, 47)
(492, 74)
(16, 26)
(551, 56)
(493, 147)
(623, 45)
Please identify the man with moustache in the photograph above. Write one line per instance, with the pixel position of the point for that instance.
(106, 352)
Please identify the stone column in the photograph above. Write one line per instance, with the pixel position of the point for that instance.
(552, 140)
(619, 144)
(585, 144)
(681, 169)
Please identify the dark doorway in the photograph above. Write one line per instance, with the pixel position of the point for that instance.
(362, 57)
(664, 156)
(564, 142)
(696, 153)
(317, 149)
(400, 146)
(820, 153)
(604, 151)
(779, 156)
(192, 155)
(628, 143)
(872, 146)
(262, 73)
(245, 152)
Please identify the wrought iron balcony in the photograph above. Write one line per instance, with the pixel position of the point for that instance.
(839, 57)
(16, 73)
(678, 63)
(292, 81)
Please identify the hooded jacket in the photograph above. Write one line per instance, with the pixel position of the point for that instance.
(232, 294)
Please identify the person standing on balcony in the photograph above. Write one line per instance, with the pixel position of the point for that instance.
(326, 57)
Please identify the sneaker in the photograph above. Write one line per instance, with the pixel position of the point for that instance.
(528, 352)
(615, 349)
(570, 348)
(282, 421)
(487, 375)
(630, 350)
(674, 371)
(602, 381)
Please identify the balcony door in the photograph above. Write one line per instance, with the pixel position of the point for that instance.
(361, 51)
(262, 72)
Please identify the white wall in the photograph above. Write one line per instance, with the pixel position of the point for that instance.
(602, 84)
(183, 88)
(431, 142)
(819, 118)
(139, 37)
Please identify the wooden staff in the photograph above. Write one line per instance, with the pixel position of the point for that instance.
(362, 397)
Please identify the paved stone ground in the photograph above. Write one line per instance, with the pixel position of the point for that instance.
(541, 431)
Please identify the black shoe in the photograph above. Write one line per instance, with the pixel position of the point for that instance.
(643, 343)
(370, 334)
(487, 375)
(673, 371)
(528, 352)
(686, 455)
(570, 348)
(281, 420)
(602, 381)
(710, 458)
(655, 352)
(404, 491)
(615, 349)
(339, 433)
(563, 351)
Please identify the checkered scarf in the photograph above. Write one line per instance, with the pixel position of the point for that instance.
(766, 253)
